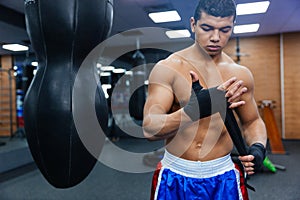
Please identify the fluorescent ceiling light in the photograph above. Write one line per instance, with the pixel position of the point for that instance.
(34, 63)
(129, 73)
(15, 47)
(107, 68)
(252, 8)
(184, 33)
(247, 28)
(168, 16)
(105, 74)
(119, 71)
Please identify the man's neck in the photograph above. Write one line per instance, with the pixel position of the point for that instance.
(217, 58)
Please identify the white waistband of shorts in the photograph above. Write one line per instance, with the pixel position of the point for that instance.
(197, 169)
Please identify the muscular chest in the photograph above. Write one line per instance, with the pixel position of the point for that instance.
(209, 76)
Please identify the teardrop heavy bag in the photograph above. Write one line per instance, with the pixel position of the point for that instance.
(62, 34)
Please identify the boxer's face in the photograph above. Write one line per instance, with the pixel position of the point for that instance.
(212, 33)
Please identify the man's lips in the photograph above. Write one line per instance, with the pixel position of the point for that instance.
(213, 47)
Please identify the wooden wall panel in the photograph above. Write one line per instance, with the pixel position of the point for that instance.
(263, 59)
(292, 84)
(7, 119)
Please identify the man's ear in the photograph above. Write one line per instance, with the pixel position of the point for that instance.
(193, 24)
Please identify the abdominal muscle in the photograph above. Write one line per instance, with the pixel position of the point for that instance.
(204, 140)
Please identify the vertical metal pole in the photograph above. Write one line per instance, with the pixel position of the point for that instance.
(282, 86)
(10, 103)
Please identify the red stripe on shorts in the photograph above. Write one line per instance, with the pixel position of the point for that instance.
(242, 183)
(155, 180)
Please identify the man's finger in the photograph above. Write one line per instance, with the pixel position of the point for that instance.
(248, 164)
(227, 84)
(247, 158)
(237, 94)
(233, 89)
(194, 76)
(237, 104)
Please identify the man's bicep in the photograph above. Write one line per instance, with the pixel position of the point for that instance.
(160, 99)
(248, 112)
(160, 93)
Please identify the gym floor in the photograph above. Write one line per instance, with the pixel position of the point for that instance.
(105, 183)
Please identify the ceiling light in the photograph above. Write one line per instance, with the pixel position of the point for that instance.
(247, 28)
(168, 16)
(119, 71)
(184, 33)
(99, 65)
(34, 63)
(129, 73)
(106, 68)
(15, 47)
(105, 74)
(252, 8)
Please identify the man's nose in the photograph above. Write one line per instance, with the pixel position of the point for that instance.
(215, 37)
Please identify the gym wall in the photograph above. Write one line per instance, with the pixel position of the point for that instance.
(292, 84)
(7, 108)
(262, 57)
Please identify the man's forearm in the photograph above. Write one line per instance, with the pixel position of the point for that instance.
(162, 126)
(255, 132)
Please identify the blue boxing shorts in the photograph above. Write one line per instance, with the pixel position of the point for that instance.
(177, 178)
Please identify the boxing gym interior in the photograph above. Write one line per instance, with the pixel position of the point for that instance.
(72, 96)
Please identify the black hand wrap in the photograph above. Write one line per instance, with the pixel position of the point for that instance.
(209, 101)
(259, 152)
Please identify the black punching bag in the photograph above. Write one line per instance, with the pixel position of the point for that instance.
(62, 34)
(138, 97)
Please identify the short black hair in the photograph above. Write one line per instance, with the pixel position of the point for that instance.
(216, 8)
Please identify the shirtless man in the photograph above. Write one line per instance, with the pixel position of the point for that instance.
(196, 162)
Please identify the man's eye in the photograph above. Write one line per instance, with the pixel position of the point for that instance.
(206, 28)
(226, 30)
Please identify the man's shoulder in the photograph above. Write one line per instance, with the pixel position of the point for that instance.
(233, 65)
(168, 70)
(242, 69)
(167, 66)
(238, 66)
(174, 60)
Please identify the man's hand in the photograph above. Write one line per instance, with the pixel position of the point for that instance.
(213, 100)
(234, 90)
(248, 164)
(254, 161)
